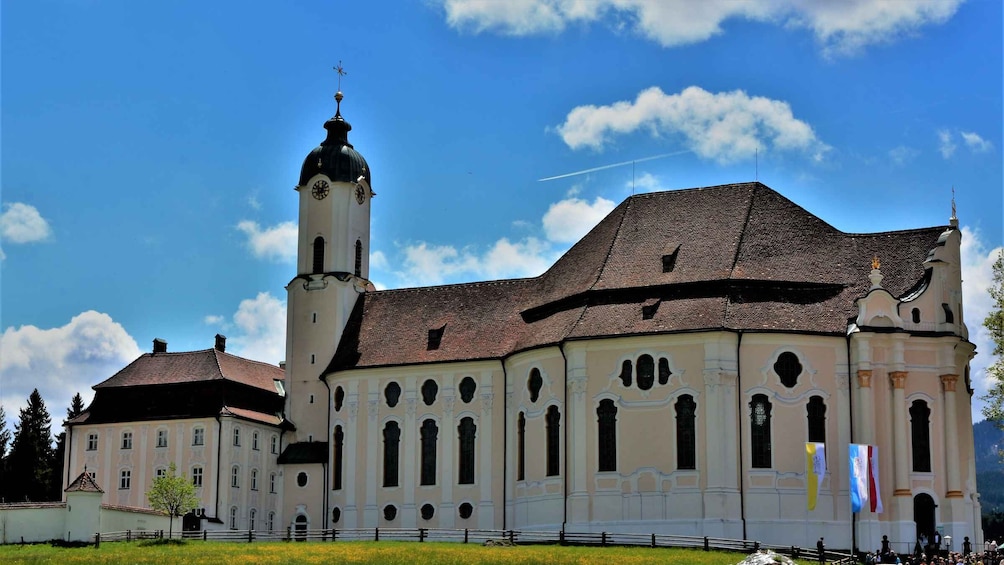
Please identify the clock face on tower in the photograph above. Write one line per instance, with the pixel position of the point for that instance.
(360, 193)
(320, 189)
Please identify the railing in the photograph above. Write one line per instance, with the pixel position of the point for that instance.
(520, 537)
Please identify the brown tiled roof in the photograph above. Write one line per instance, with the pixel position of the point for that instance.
(748, 259)
(83, 483)
(193, 366)
(270, 419)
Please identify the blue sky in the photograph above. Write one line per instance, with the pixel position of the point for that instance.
(149, 150)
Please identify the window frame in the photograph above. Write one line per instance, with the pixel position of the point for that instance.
(761, 440)
(198, 436)
(92, 442)
(197, 476)
(125, 479)
(467, 431)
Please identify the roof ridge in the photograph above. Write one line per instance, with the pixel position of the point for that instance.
(265, 363)
(613, 241)
(430, 288)
(739, 247)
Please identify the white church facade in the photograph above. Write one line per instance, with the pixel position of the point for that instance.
(663, 376)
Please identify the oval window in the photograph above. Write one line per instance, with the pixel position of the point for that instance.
(392, 393)
(429, 391)
(301, 479)
(336, 514)
(467, 388)
(428, 511)
(389, 512)
(646, 372)
(466, 510)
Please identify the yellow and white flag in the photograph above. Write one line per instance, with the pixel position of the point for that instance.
(815, 465)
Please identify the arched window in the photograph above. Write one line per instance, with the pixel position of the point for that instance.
(391, 440)
(233, 517)
(467, 388)
(686, 434)
(359, 259)
(626, 371)
(466, 431)
(429, 391)
(254, 479)
(760, 431)
(552, 422)
(816, 416)
(251, 517)
(664, 372)
(271, 521)
(318, 254)
(646, 372)
(339, 398)
(235, 476)
(429, 433)
(336, 480)
(521, 447)
(271, 483)
(920, 431)
(534, 383)
(606, 417)
(392, 393)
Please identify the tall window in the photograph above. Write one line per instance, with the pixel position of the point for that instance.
(760, 431)
(199, 436)
(271, 483)
(233, 517)
(271, 521)
(254, 479)
(391, 440)
(126, 440)
(467, 431)
(646, 372)
(197, 476)
(552, 422)
(339, 441)
(92, 442)
(815, 413)
(534, 383)
(237, 437)
(125, 479)
(521, 447)
(275, 444)
(606, 418)
(254, 440)
(318, 254)
(235, 476)
(359, 259)
(686, 435)
(251, 517)
(429, 433)
(920, 431)
(161, 438)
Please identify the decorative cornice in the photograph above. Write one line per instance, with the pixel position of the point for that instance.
(954, 494)
(898, 379)
(949, 382)
(902, 492)
(865, 378)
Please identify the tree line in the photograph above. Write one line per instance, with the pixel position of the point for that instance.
(31, 458)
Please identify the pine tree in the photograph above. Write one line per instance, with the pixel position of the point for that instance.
(55, 491)
(994, 322)
(29, 471)
(4, 442)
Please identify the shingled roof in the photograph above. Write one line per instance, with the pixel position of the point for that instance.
(193, 366)
(744, 258)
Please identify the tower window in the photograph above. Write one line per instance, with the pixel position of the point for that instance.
(318, 254)
(359, 258)
(429, 433)
(339, 398)
(606, 418)
(391, 440)
(760, 431)
(686, 437)
(466, 430)
(949, 317)
(816, 416)
(552, 422)
(916, 315)
(920, 432)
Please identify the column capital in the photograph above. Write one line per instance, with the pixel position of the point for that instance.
(898, 379)
(865, 378)
(949, 382)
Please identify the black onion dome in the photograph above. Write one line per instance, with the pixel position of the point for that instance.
(335, 157)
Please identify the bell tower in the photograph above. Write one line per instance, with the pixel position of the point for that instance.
(332, 270)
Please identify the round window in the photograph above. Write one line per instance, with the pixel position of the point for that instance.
(428, 511)
(301, 479)
(389, 512)
(336, 514)
(466, 510)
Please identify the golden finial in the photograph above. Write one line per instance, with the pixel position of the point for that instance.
(875, 263)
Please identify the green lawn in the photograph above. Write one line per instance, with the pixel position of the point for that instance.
(384, 553)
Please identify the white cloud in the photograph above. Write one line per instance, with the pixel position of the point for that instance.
(253, 202)
(977, 277)
(645, 182)
(378, 260)
(839, 27)
(277, 243)
(61, 362)
(21, 223)
(566, 221)
(726, 126)
(975, 142)
(902, 155)
(261, 329)
(213, 320)
(945, 144)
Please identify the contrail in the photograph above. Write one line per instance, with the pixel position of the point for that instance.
(603, 167)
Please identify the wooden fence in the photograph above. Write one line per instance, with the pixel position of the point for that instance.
(516, 537)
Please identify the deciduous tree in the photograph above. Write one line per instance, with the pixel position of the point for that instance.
(994, 322)
(172, 494)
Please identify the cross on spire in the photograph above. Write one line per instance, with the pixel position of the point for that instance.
(338, 95)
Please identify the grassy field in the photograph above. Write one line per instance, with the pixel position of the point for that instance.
(389, 553)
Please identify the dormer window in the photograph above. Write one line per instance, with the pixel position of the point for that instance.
(318, 255)
(949, 317)
(669, 258)
(649, 309)
(435, 337)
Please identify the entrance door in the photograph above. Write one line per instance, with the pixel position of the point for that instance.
(301, 528)
(923, 515)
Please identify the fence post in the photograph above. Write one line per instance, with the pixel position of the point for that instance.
(289, 533)
(249, 536)
(421, 534)
(707, 547)
(97, 540)
(128, 535)
(204, 534)
(512, 536)
(561, 536)
(334, 534)
(603, 539)
(465, 534)
(653, 540)
(756, 546)
(376, 534)
(794, 552)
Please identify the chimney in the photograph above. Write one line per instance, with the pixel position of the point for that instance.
(221, 342)
(159, 345)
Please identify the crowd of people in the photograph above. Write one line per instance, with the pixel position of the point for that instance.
(928, 551)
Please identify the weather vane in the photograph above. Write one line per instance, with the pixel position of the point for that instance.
(341, 72)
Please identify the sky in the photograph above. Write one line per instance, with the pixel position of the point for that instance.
(148, 151)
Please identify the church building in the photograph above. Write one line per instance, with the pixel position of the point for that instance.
(663, 376)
